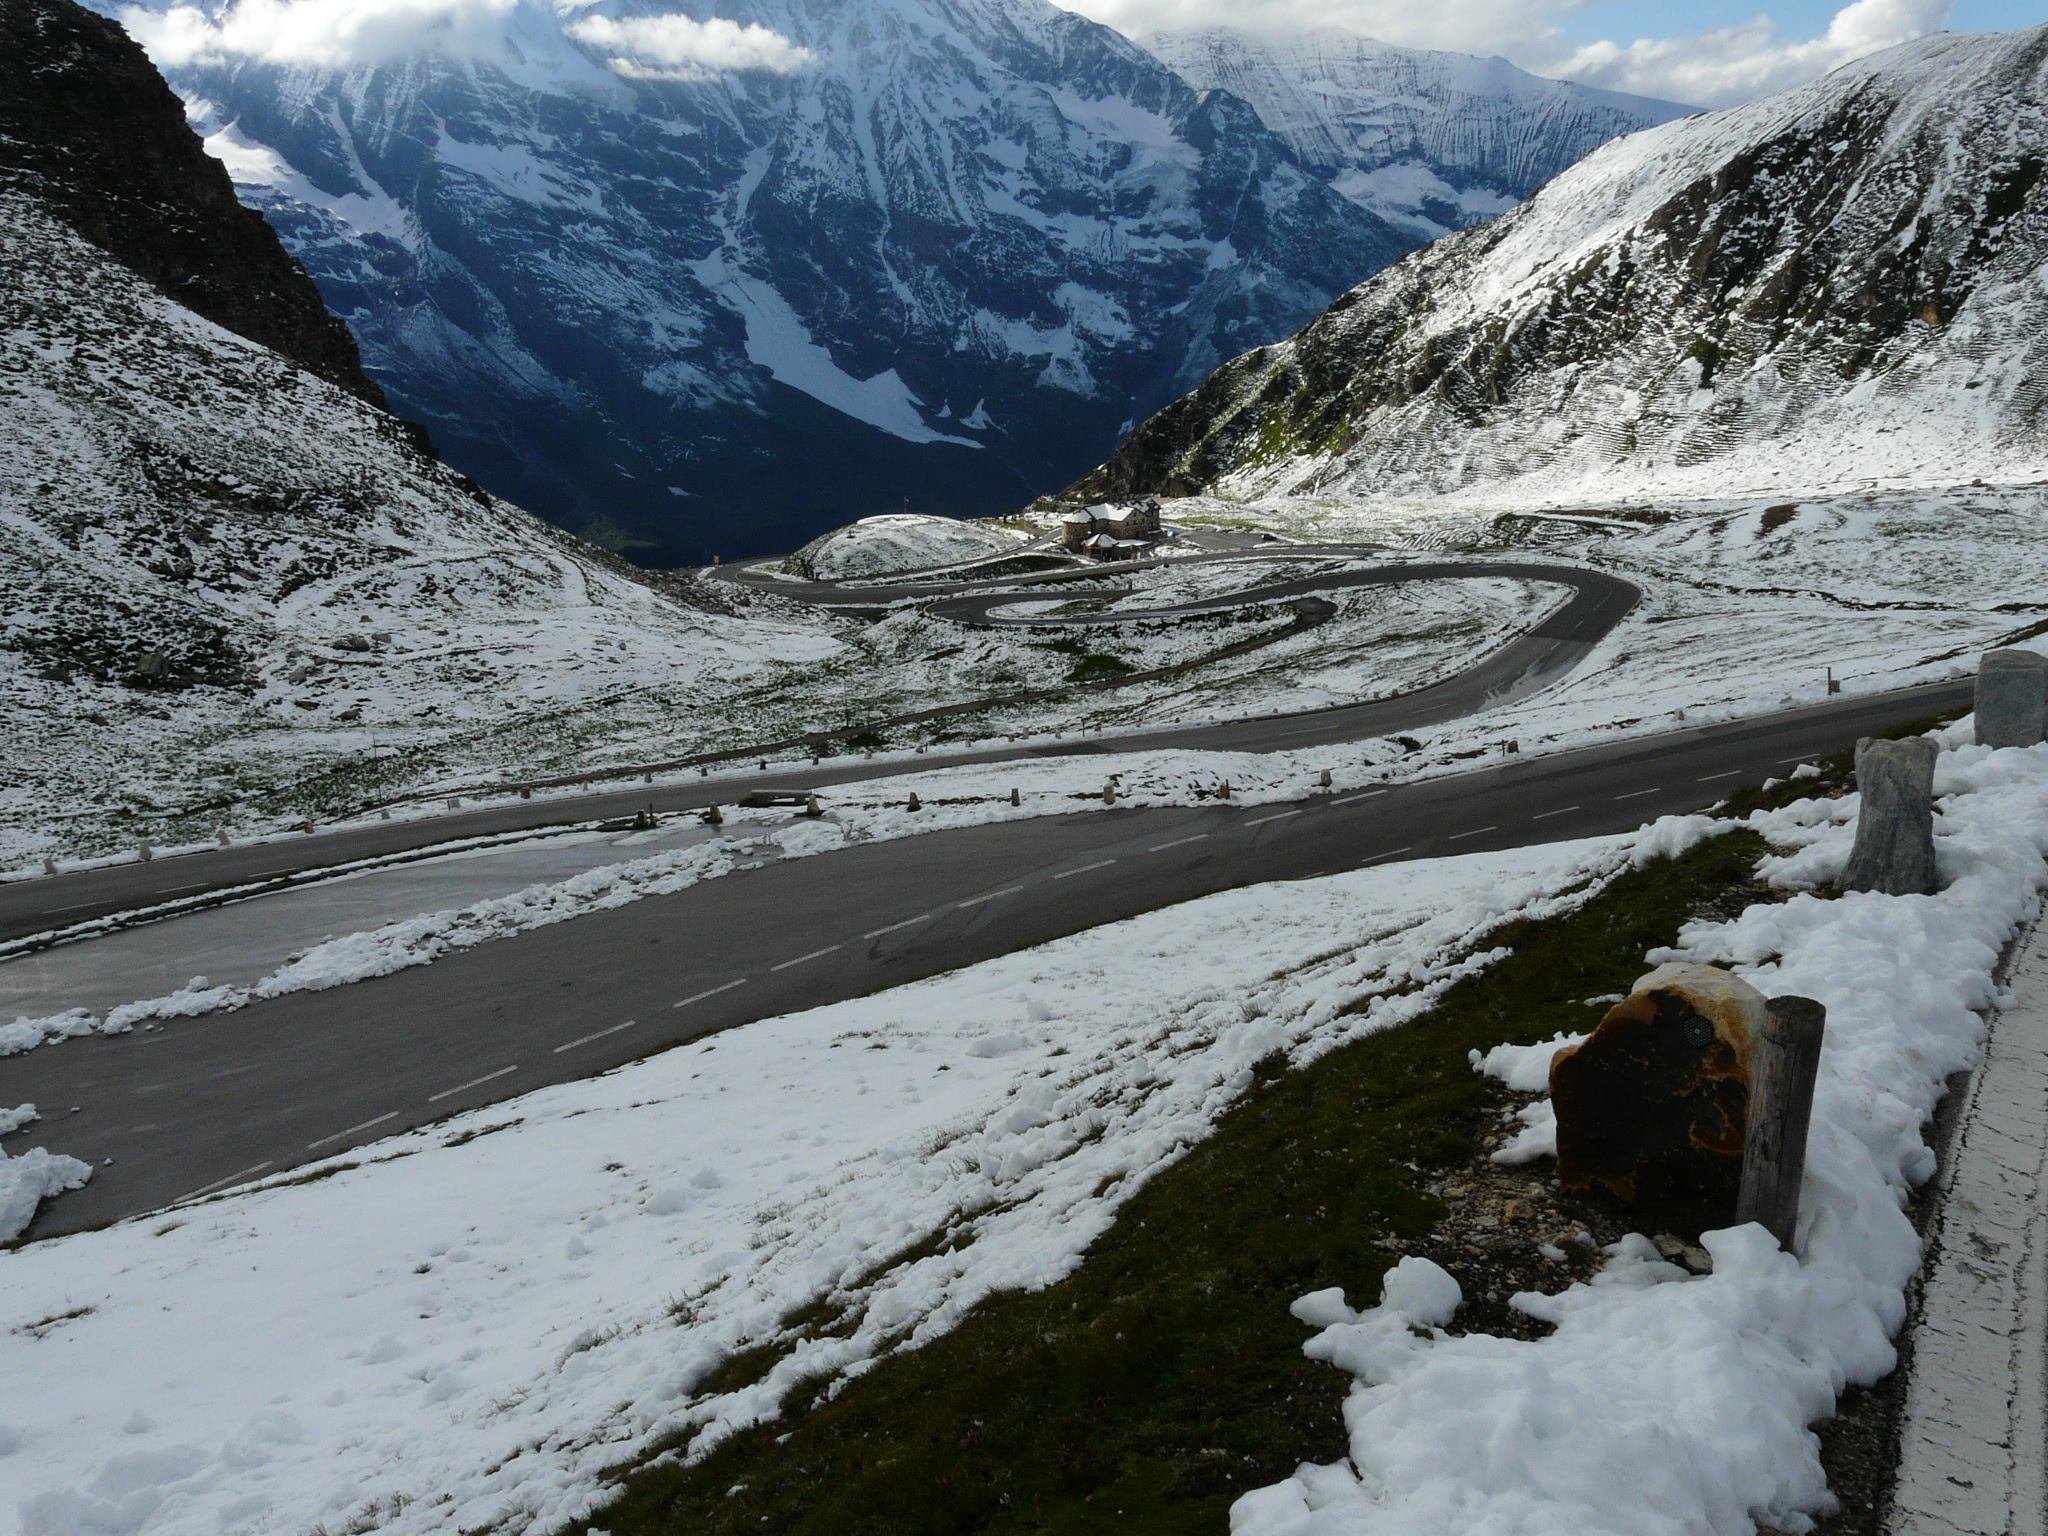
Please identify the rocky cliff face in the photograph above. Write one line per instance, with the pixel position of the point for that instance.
(88, 127)
(1430, 141)
(1848, 283)
(951, 260)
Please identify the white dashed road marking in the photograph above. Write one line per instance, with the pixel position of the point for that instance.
(1390, 853)
(1008, 890)
(1354, 799)
(1562, 810)
(1460, 836)
(1068, 874)
(1637, 794)
(816, 954)
(594, 1035)
(908, 922)
(1708, 778)
(698, 997)
(315, 1146)
(1276, 816)
(1178, 842)
(474, 1082)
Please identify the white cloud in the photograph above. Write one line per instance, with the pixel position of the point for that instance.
(1711, 68)
(1742, 62)
(340, 34)
(682, 48)
(324, 33)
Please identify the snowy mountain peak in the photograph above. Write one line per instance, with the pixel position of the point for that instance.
(1848, 282)
(1434, 141)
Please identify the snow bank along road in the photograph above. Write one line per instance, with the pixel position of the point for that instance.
(1551, 649)
(209, 1102)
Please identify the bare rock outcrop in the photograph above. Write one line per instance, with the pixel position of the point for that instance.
(1652, 1106)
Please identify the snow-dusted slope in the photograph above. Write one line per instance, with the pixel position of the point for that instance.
(899, 541)
(1844, 284)
(1432, 141)
(951, 258)
(227, 587)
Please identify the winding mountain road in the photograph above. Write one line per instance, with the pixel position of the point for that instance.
(1528, 662)
(208, 1103)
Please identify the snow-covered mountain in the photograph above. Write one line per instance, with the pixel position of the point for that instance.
(1845, 284)
(951, 258)
(232, 589)
(1428, 140)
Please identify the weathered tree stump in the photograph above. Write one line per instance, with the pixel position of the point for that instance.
(1784, 1065)
(1894, 852)
(1651, 1106)
(2012, 698)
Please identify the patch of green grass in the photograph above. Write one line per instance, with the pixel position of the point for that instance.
(1165, 1376)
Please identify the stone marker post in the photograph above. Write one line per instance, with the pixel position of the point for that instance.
(915, 803)
(1015, 798)
(2012, 695)
(1894, 852)
(1109, 792)
(1650, 1106)
(1784, 1064)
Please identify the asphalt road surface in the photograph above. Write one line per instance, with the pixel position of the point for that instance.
(211, 1102)
(1530, 661)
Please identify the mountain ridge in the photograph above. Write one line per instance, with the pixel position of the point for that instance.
(1430, 140)
(1837, 285)
(89, 126)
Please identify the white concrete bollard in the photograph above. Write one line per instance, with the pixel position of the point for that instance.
(811, 806)
(1109, 793)
(222, 838)
(49, 866)
(144, 852)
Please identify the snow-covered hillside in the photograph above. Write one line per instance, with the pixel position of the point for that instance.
(899, 541)
(225, 583)
(1431, 141)
(1845, 284)
(953, 257)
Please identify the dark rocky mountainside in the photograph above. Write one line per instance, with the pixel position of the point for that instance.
(90, 129)
(1847, 283)
(952, 258)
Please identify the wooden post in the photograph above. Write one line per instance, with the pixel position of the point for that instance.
(1784, 1062)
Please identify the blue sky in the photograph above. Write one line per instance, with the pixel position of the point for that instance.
(1645, 18)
